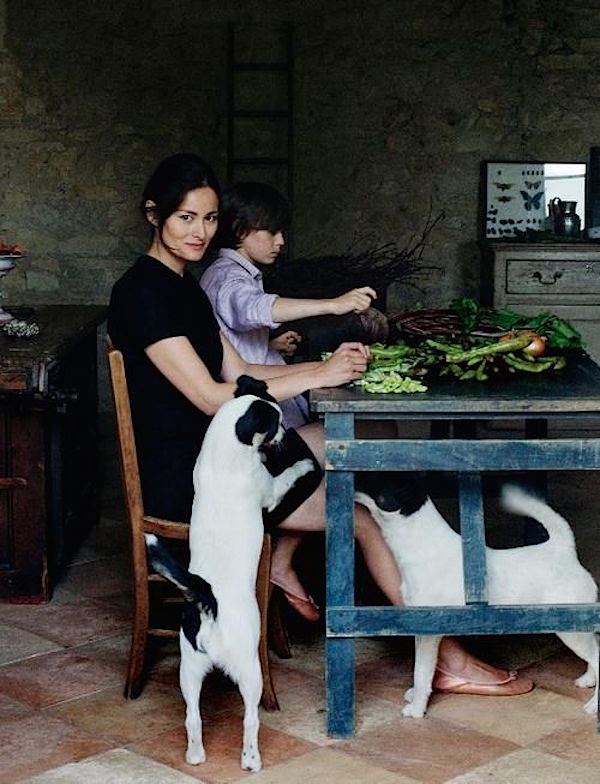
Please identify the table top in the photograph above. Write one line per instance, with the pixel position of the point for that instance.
(24, 362)
(570, 392)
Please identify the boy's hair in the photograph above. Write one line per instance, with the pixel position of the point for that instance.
(250, 206)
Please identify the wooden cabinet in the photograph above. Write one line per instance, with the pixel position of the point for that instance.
(563, 278)
(48, 429)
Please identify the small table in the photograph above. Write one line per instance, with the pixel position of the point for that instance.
(573, 393)
(48, 429)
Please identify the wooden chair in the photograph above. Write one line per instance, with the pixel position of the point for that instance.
(140, 523)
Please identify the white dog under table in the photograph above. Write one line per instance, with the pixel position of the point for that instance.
(572, 394)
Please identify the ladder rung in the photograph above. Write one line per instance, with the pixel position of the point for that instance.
(260, 67)
(260, 161)
(258, 113)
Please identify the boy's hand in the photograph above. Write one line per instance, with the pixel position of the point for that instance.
(286, 343)
(354, 301)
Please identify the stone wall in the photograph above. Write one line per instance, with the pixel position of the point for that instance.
(397, 103)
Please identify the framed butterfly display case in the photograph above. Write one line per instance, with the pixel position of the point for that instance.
(518, 195)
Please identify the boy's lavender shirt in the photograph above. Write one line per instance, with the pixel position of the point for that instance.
(235, 289)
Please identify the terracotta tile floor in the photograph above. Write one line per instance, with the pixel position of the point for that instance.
(63, 717)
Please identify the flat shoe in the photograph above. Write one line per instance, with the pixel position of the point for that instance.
(448, 683)
(306, 607)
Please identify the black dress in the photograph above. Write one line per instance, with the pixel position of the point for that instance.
(150, 303)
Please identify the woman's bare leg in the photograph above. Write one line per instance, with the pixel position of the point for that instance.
(282, 570)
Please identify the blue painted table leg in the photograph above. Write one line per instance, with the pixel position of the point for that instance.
(339, 487)
(473, 536)
(340, 686)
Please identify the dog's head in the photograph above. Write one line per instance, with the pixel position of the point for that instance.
(259, 417)
(390, 495)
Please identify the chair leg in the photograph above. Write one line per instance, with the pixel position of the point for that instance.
(278, 636)
(139, 640)
(269, 698)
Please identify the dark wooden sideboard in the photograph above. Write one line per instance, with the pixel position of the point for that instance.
(48, 447)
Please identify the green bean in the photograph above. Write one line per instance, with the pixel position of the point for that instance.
(501, 347)
(529, 367)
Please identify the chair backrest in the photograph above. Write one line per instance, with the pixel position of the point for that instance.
(130, 473)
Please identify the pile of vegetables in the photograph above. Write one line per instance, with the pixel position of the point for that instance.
(468, 343)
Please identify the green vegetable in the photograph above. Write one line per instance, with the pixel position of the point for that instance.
(469, 312)
(528, 367)
(489, 349)
(378, 383)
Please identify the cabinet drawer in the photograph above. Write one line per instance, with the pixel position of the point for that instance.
(552, 277)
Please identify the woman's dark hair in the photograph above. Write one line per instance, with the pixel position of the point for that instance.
(250, 206)
(172, 179)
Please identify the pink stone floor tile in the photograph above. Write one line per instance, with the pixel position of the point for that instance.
(428, 750)
(105, 577)
(33, 744)
(71, 624)
(329, 766)
(55, 677)
(12, 709)
(117, 720)
(558, 673)
(222, 737)
(18, 644)
(388, 677)
(578, 742)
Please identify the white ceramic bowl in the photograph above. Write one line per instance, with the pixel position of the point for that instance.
(7, 263)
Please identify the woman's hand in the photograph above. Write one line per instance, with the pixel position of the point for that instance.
(286, 343)
(354, 301)
(347, 363)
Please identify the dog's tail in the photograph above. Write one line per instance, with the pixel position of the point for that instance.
(194, 588)
(517, 500)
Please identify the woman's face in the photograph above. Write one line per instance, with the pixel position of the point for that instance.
(187, 232)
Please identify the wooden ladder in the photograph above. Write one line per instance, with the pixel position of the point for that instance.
(275, 165)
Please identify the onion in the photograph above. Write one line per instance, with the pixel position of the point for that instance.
(536, 348)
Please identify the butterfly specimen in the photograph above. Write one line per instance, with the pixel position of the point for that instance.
(504, 199)
(532, 201)
(503, 186)
(533, 185)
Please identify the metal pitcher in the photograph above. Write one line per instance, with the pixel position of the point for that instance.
(565, 220)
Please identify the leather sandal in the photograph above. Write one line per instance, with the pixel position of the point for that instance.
(449, 683)
(304, 606)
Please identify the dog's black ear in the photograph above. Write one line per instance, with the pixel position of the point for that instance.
(260, 417)
(246, 385)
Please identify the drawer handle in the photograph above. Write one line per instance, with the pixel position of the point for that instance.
(538, 276)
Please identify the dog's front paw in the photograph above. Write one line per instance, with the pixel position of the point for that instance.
(412, 711)
(304, 467)
(591, 706)
(408, 694)
(195, 755)
(251, 760)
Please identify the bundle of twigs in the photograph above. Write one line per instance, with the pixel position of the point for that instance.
(438, 321)
(333, 274)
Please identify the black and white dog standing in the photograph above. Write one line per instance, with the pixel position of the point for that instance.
(221, 626)
(429, 555)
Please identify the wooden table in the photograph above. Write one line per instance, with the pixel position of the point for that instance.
(48, 406)
(573, 394)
